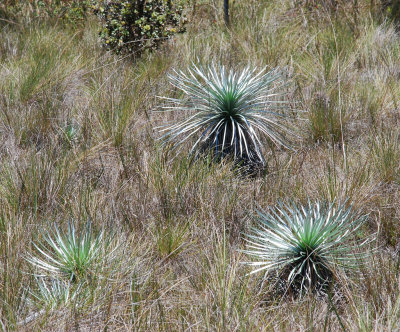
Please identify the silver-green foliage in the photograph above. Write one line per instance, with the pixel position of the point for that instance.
(52, 293)
(69, 254)
(306, 244)
(230, 110)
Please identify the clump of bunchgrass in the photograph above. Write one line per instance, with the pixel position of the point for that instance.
(305, 245)
(230, 109)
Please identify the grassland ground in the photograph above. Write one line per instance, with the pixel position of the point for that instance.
(78, 142)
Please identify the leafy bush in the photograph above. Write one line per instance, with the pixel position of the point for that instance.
(135, 25)
(73, 12)
(305, 244)
(228, 108)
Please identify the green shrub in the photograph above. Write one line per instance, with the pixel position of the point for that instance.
(73, 12)
(135, 25)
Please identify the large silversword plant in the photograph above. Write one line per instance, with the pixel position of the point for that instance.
(228, 110)
(306, 245)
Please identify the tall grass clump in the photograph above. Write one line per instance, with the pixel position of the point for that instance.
(306, 244)
(230, 112)
(385, 155)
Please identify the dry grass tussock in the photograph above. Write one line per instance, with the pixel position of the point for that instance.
(78, 142)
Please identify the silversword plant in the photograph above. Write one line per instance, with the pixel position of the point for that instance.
(229, 112)
(69, 254)
(306, 244)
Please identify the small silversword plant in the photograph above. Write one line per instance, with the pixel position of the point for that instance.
(306, 244)
(69, 254)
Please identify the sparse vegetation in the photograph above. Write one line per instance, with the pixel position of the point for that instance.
(79, 141)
